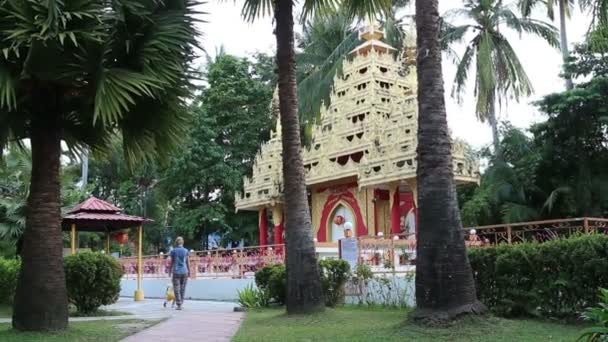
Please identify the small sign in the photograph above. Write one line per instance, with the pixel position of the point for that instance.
(349, 251)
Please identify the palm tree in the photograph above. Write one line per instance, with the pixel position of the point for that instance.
(81, 72)
(564, 8)
(597, 8)
(325, 43)
(15, 175)
(304, 292)
(444, 280)
(499, 74)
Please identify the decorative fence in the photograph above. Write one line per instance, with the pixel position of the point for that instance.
(394, 254)
(538, 230)
(219, 263)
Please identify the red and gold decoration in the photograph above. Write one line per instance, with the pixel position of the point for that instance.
(121, 237)
(339, 220)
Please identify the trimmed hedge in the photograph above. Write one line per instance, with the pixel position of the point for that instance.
(556, 279)
(93, 280)
(9, 272)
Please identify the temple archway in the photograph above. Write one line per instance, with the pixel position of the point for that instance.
(341, 214)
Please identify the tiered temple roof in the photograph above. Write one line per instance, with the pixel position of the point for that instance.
(368, 133)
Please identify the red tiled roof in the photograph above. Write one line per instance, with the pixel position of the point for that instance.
(97, 215)
(94, 204)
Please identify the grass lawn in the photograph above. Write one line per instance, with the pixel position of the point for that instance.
(359, 324)
(6, 312)
(92, 331)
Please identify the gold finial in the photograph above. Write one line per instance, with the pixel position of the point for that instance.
(372, 31)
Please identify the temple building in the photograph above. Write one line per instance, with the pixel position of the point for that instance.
(361, 164)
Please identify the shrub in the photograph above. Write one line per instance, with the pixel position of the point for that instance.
(9, 272)
(334, 274)
(557, 279)
(93, 280)
(273, 279)
(252, 297)
(599, 316)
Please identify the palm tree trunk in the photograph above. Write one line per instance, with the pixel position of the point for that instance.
(41, 302)
(445, 287)
(564, 40)
(493, 121)
(304, 292)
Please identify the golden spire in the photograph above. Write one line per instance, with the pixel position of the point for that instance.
(372, 31)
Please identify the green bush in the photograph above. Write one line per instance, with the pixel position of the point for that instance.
(252, 297)
(273, 279)
(93, 280)
(9, 272)
(599, 316)
(557, 279)
(334, 274)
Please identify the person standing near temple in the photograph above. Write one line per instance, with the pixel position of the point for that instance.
(180, 270)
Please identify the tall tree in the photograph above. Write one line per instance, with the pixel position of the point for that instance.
(564, 7)
(599, 22)
(445, 288)
(80, 71)
(231, 116)
(304, 292)
(499, 74)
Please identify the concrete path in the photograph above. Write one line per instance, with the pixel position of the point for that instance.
(198, 321)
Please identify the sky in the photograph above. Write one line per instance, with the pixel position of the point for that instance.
(225, 27)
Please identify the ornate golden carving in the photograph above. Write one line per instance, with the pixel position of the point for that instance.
(369, 131)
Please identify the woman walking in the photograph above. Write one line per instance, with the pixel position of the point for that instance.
(180, 270)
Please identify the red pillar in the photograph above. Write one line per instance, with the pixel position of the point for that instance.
(395, 213)
(263, 224)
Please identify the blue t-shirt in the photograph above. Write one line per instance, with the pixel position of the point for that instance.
(179, 256)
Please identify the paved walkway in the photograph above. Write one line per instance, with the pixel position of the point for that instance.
(198, 321)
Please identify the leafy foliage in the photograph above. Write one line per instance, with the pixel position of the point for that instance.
(9, 271)
(499, 74)
(334, 275)
(553, 279)
(93, 280)
(251, 297)
(15, 173)
(274, 280)
(555, 170)
(231, 117)
(599, 316)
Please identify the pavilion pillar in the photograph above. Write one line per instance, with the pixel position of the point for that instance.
(278, 219)
(107, 242)
(395, 210)
(139, 293)
(74, 238)
(263, 225)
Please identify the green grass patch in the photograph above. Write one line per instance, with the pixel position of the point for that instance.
(100, 313)
(91, 331)
(357, 324)
(6, 311)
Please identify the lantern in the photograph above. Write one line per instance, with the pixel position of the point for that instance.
(121, 237)
(339, 220)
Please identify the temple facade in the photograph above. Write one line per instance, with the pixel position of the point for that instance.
(361, 164)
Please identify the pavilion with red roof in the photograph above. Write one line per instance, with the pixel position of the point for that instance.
(95, 215)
